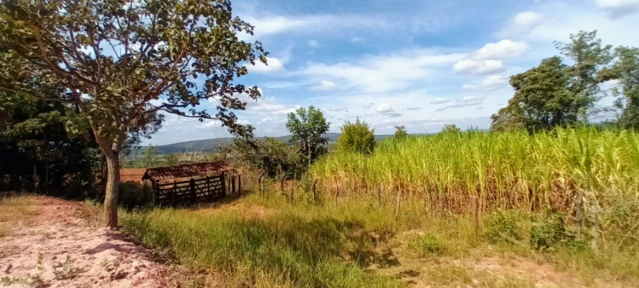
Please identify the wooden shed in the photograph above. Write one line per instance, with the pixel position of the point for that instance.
(190, 183)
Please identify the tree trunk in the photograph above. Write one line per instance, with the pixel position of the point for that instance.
(112, 187)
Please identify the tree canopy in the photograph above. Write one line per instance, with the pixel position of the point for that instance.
(121, 62)
(307, 128)
(356, 137)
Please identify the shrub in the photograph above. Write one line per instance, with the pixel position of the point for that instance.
(503, 227)
(356, 137)
(547, 230)
(427, 245)
(400, 132)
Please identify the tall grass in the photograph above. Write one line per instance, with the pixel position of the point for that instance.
(505, 170)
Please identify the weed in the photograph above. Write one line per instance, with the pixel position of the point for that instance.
(547, 230)
(65, 270)
(427, 245)
(503, 227)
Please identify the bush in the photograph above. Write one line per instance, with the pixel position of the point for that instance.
(503, 227)
(427, 245)
(400, 132)
(547, 230)
(356, 137)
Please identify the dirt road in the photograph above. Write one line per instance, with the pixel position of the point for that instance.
(57, 247)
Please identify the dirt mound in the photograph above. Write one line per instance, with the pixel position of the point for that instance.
(58, 248)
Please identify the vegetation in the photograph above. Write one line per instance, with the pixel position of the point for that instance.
(356, 137)
(450, 128)
(159, 48)
(270, 155)
(307, 128)
(400, 132)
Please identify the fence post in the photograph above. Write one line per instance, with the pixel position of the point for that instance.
(379, 196)
(232, 178)
(336, 193)
(192, 185)
(259, 181)
(315, 191)
(399, 198)
(239, 185)
(579, 214)
(282, 184)
(292, 191)
(156, 192)
(223, 181)
(594, 227)
(475, 209)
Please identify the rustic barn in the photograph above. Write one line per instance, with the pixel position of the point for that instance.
(132, 175)
(192, 183)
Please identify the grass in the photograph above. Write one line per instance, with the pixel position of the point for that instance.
(260, 241)
(14, 209)
(505, 170)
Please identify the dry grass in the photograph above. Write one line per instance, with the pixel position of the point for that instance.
(15, 208)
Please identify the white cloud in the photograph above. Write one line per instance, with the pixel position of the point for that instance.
(327, 85)
(272, 65)
(439, 101)
(313, 43)
(356, 40)
(479, 67)
(463, 102)
(469, 87)
(212, 123)
(494, 82)
(618, 8)
(368, 105)
(383, 73)
(521, 23)
(501, 50)
(384, 108)
(243, 122)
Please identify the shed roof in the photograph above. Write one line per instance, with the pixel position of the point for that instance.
(187, 170)
(132, 175)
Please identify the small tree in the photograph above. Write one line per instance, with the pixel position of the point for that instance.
(150, 157)
(400, 132)
(307, 128)
(171, 159)
(120, 62)
(450, 128)
(356, 137)
(626, 70)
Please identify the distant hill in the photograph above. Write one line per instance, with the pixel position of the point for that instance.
(209, 145)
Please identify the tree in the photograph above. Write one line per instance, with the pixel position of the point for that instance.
(543, 99)
(307, 128)
(450, 128)
(121, 62)
(356, 137)
(33, 137)
(400, 132)
(589, 56)
(626, 70)
(171, 159)
(150, 157)
(270, 155)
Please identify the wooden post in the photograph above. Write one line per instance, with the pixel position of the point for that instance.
(379, 196)
(223, 183)
(475, 208)
(290, 197)
(594, 227)
(399, 199)
(192, 186)
(35, 178)
(156, 192)
(239, 185)
(315, 191)
(282, 184)
(336, 193)
(259, 181)
(579, 214)
(233, 184)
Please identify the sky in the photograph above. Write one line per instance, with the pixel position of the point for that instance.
(416, 63)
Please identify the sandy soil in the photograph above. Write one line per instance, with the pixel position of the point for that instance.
(58, 248)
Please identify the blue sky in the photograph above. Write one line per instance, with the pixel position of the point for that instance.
(421, 64)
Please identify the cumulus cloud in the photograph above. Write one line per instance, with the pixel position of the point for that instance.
(384, 108)
(327, 85)
(502, 50)
(478, 67)
(494, 82)
(618, 8)
(522, 23)
(272, 65)
(369, 105)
